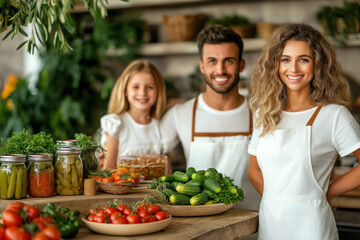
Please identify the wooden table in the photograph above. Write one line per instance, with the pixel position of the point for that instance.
(232, 224)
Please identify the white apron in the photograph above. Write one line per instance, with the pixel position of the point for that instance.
(229, 157)
(293, 205)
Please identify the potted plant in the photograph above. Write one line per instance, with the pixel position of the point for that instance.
(339, 22)
(240, 24)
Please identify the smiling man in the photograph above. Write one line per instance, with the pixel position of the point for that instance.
(215, 127)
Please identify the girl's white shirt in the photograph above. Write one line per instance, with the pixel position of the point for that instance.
(134, 138)
(335, 131)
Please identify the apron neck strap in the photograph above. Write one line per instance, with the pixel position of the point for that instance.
(313, 117)
(193, 120)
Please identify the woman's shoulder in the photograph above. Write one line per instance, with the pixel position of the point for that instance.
(111, 119)
(334, 109)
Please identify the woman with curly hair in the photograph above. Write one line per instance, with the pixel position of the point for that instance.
(301, 125)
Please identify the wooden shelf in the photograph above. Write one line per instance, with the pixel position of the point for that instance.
(178, 48)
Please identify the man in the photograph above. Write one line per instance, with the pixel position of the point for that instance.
(215, 128)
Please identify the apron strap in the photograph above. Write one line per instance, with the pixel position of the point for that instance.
(313, 117)
(217, 134)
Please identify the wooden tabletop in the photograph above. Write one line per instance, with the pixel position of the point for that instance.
(232, 224)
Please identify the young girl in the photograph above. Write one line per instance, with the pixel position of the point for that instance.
(302, 124)
(137, 102)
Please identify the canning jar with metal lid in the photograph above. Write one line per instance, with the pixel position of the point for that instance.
(67, 143)
(41, 175)
(13, 176)
(69, 171)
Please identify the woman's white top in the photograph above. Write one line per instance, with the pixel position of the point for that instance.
(335, 131)
(134, 139)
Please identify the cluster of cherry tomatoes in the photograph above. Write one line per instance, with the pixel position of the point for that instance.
(25, 222)
(115, 176)
(123, 214)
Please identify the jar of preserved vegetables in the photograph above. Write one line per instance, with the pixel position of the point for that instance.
(13, 176)
(41, 175)
(69, 171)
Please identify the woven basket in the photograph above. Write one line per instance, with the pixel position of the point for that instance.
(115, 188)
(183, 27)
(246, 31)
(265, 29)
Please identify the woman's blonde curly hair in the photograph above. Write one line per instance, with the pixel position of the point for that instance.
(268, 92)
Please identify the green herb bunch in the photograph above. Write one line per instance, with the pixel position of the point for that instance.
(27, 143)
(85, 142)
(46, 20)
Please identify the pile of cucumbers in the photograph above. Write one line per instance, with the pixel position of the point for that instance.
(199, 187)
(13, 182)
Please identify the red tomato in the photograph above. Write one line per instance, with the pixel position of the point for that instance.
(11, 218)
(15, 206)
(32, 212)
(133, 219)
(110, 210)
(93, 211)
(39, 223)
(152, 209)
(48, 220)
(2, 233)
(52, 232)
(141, 208)
(100, 213)
(143, 213)
(161, 215)
(40, 236)
(115, 215)
(127, 211)
(99, 219)
(122, 207)
(15, 233)
(151, 218)
(91, 218)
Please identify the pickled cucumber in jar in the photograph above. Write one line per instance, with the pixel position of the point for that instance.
(13, 176)
(69, 171)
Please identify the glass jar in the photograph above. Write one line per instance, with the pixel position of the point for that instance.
(41, 175)
(90, 159)
(67, 143)
(69, 171)
(13, 176)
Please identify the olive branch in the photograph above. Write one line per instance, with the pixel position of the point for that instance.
(46, 19)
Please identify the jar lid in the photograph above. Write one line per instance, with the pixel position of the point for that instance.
(13, 158)
(68, 150)
(40, 157)
(67, 143)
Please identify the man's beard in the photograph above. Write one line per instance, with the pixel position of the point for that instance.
(228, 89)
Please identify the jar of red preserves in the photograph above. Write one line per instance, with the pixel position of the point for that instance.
(41, 175)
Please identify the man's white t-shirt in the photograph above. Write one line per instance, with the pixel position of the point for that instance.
(335, 131)
(134, 139)
(177, 122)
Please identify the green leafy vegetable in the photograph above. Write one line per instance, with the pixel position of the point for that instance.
(85, 142)
(26, 143)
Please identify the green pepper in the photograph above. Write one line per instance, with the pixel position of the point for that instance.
(50, 205)
(53, 213)
(75, 213)
(69, 230)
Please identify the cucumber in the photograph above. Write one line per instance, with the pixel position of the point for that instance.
(190, 171)
(201, 172)
(174, 185)
(179, 199)
(213, 170)
(199, 199)
(210, 202)
(198, 177)
(209, 193)
(167, 178)
(232, 189)
(189, 190)
(4, 184)
(169, 192)
(210, 174)
(194, 183)
(19, 182)
(12, 183)
(180, 176)
(212, 184)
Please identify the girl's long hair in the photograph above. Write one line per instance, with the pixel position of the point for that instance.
(119, 104)
(268, 92)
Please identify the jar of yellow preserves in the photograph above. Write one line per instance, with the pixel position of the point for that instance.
(69, 171)
(13, 176)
